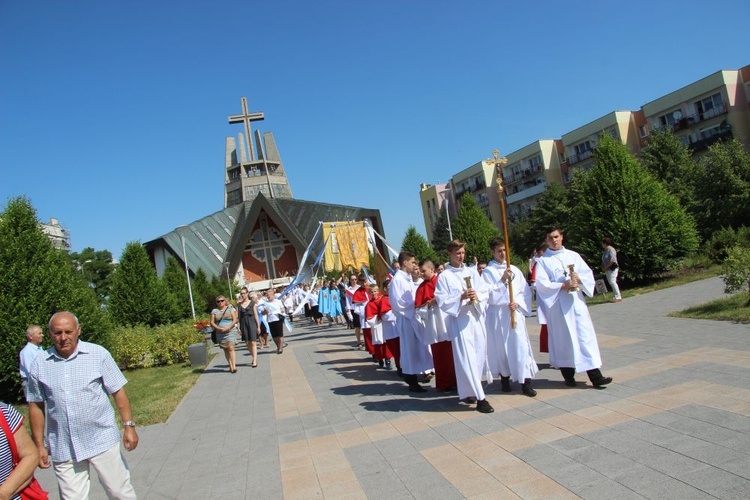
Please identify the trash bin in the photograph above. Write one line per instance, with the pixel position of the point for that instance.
(198, 354)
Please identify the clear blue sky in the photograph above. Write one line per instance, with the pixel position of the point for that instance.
(113, 115)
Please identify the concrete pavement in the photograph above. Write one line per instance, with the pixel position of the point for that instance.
(322, 421)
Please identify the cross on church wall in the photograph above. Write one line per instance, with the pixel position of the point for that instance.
(246, 117)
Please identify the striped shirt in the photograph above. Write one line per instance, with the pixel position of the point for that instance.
(6, 456)
(81, 422)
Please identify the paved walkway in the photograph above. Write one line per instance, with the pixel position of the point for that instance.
(322, 421)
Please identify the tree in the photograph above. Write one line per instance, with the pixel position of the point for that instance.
(36, 280)
(474, 228)
(620, 199)
(441, 236)
(723, 192)
(137, 296)
(205, 298)
(95, 266)
(671, 162)
(417, 244)
(175, 282)
(552, 209)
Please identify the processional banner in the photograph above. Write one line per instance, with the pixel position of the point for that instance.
(346, 246)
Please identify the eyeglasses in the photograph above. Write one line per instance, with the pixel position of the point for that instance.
(220, 301)
(243, 293)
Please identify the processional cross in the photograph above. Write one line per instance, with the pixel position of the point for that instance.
(246, 117)
(498, 163)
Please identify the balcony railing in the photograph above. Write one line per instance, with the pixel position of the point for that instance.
(689, 121)
(577, 158)
(700, 145)
(524, 174)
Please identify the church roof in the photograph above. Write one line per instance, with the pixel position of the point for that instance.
(222, 236)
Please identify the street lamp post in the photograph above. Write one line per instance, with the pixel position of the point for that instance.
(447, 212)
(187, 274)
(229, 283)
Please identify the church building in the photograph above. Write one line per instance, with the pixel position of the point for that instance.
(262, 233)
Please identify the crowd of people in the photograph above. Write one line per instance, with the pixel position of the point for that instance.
(460, 324)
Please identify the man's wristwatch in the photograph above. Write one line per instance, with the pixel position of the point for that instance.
(129, 423)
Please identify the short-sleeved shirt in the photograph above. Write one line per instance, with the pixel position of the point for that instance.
(26, 358)
(14, 420)
(81, 421)
(609, 255)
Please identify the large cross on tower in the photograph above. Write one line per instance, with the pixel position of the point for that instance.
(246, 117)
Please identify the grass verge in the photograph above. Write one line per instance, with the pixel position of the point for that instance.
(733, 308)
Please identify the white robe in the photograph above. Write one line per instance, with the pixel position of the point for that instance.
(572, 339)
(415, 356)
(434, 324)
(509, 349)
(465, 323)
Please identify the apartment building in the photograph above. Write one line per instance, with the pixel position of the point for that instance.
(712, 109)
(528, 173)
(435, 200)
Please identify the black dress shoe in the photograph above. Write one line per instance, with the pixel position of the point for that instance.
(484, 406)
(381, 363)
(505, 384)
(601, 382)
(470, 400)
(526, 388)
(571, 383)
(417, 388)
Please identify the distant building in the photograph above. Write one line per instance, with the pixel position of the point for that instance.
(262, 233)
(58, 235)
(712, 109)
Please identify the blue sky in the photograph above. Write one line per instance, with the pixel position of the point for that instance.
(113, 115)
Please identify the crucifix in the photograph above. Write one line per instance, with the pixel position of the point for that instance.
(246, 117)
(498, 163)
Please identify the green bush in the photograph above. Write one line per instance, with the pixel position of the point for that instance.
(141, 346)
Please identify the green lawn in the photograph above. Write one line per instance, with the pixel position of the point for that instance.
(733, 308)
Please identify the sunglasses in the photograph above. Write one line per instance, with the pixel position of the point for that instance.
(220, 301)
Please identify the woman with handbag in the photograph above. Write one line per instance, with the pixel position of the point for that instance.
(224, 322)
(18, 458)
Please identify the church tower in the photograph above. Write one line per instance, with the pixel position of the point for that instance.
(248, 170)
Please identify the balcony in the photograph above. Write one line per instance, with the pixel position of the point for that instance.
(577, 158)
(523, 175)
(723, 134)
(689, 121)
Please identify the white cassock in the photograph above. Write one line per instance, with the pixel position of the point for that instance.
(572, 339)
(415, 356)
(509, 351)
(433, 320)
(465, 324)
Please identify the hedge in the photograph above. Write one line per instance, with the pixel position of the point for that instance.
(141, 346)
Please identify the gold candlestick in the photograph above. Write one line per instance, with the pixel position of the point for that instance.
(575, 288)
(467, 279)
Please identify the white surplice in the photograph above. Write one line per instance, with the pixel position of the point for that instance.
(415, 355)
(465, 324)
(509, 351)
(572, 339)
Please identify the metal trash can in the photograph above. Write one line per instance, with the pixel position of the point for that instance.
(198, 354)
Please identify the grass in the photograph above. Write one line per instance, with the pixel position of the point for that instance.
(154, 393)
(733, 308)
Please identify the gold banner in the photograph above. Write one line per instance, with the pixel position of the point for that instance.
(346, 247)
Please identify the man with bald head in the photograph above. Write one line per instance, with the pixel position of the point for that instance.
(30, 352)
(72, 380)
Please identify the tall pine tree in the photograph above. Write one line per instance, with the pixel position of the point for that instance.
(474, 228)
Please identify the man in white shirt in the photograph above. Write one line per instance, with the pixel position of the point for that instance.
(30, 352)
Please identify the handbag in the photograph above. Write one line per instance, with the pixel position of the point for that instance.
(33, 490)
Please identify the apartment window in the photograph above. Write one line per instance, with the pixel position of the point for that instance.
(536, 162)
(642, 131)
(710, 106)
(709, 132)
(668, 120)
(583, 148)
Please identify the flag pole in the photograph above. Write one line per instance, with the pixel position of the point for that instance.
(498, 163)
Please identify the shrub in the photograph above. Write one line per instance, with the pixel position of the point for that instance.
(140, 346)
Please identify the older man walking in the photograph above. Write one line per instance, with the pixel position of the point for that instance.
(73, 380)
